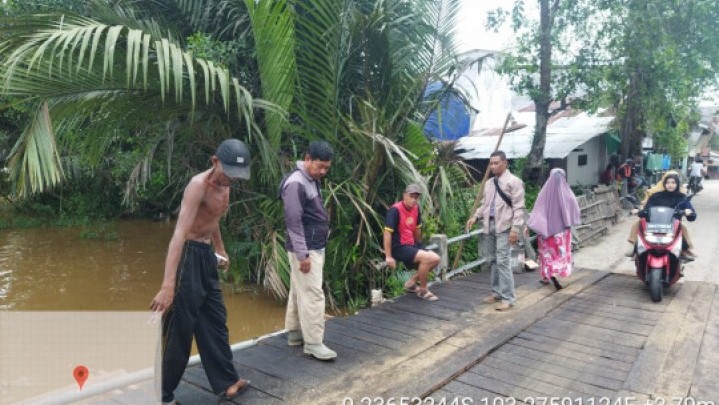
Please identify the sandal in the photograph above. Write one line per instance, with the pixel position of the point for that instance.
(411, 289)
(427, 295)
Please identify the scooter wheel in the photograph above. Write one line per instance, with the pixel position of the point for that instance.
(656, 289)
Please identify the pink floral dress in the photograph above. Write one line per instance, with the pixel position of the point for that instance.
(555, 254)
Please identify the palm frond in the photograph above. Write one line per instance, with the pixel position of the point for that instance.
(34, 162)
(273, 31)
(322, 51)
(277, 267)
(79, 39)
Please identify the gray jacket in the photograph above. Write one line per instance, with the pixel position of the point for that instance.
(305, 215)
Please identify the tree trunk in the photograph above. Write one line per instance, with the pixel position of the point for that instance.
(534, 168)
(632, 121)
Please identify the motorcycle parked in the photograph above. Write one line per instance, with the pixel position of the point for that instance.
(695, 185)
(659, 248)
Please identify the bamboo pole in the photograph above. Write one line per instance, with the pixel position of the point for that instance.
(481, 188)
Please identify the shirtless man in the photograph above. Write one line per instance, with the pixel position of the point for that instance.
(190, 297)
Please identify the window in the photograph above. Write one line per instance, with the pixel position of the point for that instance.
(582, 160)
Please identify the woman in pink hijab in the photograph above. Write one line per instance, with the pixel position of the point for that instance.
(554, 212)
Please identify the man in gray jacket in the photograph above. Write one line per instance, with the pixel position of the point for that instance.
(305, 240)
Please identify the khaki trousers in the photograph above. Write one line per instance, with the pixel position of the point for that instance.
(306, 303)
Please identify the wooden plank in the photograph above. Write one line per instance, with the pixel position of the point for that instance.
(280, 342)
(680, 366)
(427, 371)
(448, 302)
(477, 277)
(334, 339)
(271, 385)
(459, 390)
(537, 380)
(190, 394)
(392, 324)
(380, 328)
(625, 283)
(586, 338)
(459, 294)
(577, 365)
(606, 351)
(425, 308)
(659, 344)
(467, 287)
(643, 304)
(613, 311)
(596, 332)
(472, 283)
(496, 359)
(561, 350)
(603, 322)
(504, 389)
(413, 321)
(421, 321)
(301, 371)
(198, 390)
(350, 331)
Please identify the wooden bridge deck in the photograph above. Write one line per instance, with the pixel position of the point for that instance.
(601, 337)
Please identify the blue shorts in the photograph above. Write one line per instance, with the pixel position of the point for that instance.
(407, 253)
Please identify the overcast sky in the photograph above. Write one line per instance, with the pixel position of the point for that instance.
(472, 19)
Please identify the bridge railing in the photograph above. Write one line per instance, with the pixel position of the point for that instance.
(440, 244)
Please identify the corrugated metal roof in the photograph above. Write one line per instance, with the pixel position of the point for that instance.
(563, 135)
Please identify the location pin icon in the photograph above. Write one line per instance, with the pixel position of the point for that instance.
(80, 373)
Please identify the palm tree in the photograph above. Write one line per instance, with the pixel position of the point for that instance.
(352, 72)
(105, 75)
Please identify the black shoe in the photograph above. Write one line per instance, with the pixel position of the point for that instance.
(686, 258)
(556, 283)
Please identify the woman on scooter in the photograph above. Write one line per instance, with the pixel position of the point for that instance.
(672, 197)
(687, 253)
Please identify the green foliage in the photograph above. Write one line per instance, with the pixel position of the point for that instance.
(20, 7)
(646, 61)
(221, 52)
(121, 89)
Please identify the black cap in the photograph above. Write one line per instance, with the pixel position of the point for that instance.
(235, 158)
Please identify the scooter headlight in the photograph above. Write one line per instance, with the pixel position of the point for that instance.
(659, 238)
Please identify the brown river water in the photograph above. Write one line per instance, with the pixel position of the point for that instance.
(55, 269)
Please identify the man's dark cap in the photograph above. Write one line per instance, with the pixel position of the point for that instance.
(234, 156)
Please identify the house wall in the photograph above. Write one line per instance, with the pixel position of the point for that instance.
(595, 153)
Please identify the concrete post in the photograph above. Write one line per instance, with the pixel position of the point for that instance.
(443, 252)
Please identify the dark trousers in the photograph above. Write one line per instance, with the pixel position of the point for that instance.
(198, 309)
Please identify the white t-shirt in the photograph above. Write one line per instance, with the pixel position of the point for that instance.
(696, 169)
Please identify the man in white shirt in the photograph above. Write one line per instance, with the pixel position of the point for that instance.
(696, 174)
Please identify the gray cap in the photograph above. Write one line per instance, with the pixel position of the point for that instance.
(413, 188)
(235, 158)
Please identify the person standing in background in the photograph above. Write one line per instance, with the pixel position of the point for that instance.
(502, 212)
(555, 211)
(306, 236)
(190, 297)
